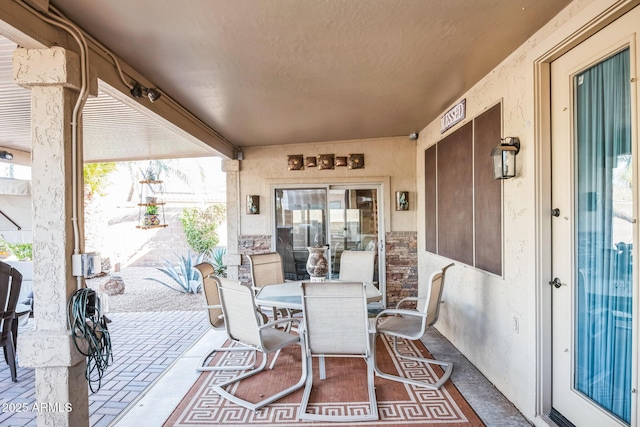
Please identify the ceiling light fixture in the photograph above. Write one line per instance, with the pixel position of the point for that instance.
(5, 155)
(413, 136)
(137, 91)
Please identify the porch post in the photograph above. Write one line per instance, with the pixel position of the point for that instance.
(53, 76)
(232, 259)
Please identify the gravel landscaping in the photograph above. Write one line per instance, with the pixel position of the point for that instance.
(142, 295)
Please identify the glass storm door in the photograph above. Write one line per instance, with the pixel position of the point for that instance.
(301, 221)
(340, 217)
(594, 233)
(354, 223)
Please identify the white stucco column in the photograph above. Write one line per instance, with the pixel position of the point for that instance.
(232, 259)
(53, 76)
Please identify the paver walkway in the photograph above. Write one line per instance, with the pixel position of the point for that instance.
(144, 345)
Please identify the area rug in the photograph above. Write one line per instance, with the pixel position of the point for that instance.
(344, 391)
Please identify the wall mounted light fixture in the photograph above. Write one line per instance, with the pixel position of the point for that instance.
(402, 200)
(504, 157)
(253, 205)
(5, 155)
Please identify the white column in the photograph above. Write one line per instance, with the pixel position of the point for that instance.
(232, 258)
(53, 75)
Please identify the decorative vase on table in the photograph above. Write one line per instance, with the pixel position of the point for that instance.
(317, 265)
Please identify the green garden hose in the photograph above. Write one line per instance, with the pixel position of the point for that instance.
(88, 325)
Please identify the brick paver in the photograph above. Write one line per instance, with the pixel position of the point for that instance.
(144, 345)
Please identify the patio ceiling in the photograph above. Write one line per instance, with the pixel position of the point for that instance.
(283, 71)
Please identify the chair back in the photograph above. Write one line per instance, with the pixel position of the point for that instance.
(240, 315)
(266, 269)
(357, 266)
(434, 295)
(210, 288)
(336, 318)
(10, 282)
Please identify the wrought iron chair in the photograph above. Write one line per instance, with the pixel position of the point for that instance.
(411, 324)
(244, 326)
(216, 320)
(335, 332)
(10, 282)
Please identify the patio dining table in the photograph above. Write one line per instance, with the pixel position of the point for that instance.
(289, 294)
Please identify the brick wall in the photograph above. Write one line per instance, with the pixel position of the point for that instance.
(249, 245)
(401, 262)
(402, 265)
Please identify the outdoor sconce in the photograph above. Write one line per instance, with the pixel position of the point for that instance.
(253, 205)
(504, 158)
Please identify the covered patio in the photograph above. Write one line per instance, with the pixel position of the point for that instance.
(368, 126)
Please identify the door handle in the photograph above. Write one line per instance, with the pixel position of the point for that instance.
(555, 282)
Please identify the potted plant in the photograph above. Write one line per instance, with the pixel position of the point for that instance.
(151, 216)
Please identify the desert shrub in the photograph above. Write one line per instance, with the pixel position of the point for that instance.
(200, 227)
(183, 274)
(219, 268)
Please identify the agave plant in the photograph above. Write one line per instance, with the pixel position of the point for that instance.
(183, 274)
(219, 269)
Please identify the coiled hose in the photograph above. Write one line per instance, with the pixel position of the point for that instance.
(87, 324)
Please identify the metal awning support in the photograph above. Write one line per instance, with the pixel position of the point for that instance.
(10, 220)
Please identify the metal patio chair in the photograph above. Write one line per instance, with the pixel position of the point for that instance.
(216, 321)
(337, 325)
(357, 266)
(244, 326)
(411, 324)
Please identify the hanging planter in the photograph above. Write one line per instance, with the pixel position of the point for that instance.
(151, 213)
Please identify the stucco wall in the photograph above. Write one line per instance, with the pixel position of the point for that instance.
(387, 159)
(493, 320)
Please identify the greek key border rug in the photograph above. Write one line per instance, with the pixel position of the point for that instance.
(344, 391)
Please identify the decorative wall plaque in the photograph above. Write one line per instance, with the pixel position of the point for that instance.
(355, 161)
(325, 161)
(310, 162)
(295, 162)
(456, 114)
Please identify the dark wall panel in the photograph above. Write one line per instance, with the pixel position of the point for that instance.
(430, 199)
(488, 194)
(455, 195)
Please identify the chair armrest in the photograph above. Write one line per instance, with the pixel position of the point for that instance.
(279, 321)
(400, 312)
(409, 299)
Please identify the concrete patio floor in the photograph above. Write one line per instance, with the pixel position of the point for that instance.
(156, 352)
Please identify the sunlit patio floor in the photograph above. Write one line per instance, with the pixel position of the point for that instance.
(155, 355)
(144, 346)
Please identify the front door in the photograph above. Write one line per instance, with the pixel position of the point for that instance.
(594, 196)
